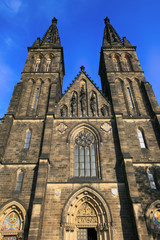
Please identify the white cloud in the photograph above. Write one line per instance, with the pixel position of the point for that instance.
(11, 5)
(9, 41)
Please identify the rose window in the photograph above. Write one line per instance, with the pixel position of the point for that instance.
(84, 139)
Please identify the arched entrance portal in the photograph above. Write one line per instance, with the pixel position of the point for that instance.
(86, 216)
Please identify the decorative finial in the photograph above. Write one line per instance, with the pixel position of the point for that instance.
(54, 20)
(82, 68)
(107, 20)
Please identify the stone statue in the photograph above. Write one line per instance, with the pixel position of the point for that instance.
(93, 104)
(83, 100)
(73, 105)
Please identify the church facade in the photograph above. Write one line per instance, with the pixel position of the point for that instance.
(84, 165)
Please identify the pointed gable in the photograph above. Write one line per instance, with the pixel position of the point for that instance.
(83, 99)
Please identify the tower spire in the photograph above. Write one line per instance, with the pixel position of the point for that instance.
(111, 37)
(51, 37)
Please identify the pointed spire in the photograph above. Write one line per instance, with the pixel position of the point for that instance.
(111, 37)
(51, 38)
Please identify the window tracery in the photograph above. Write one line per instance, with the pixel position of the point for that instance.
(85, 155)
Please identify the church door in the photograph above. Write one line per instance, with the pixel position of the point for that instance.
(87, 234)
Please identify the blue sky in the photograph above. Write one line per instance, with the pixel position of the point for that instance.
(81, 27)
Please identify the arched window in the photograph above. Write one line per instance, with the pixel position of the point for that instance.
(128, 64)
(130, 97)
(141, 138)
(85, 155)
(48, 64)
(28, 139)
(116, 63)
(151, 179)
(19, 181)
(37, 65)
(36, 98)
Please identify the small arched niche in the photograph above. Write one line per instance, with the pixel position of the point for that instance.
(64, 111)
(86, 212)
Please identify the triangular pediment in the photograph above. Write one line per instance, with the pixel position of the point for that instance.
(83, 99)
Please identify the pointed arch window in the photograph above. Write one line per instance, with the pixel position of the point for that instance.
(48, 65)
(85, 155)
(151, 180)
(28, 139)
(130, 98)
(19, 181)
(141, 139)
(128, 63)
(36, 98)
(116, 62)
(37, 65)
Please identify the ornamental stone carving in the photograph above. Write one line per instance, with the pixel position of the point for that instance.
(86, 215)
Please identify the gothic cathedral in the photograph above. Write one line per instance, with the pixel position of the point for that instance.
(84, 165)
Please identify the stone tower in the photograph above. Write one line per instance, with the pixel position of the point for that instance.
(86, 164)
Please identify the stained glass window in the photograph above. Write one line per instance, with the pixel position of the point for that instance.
(28, 139)
(85, 156)
(156, 220)
(11, 223)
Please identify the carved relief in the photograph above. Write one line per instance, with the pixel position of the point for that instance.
(61, 127)
(106, 127)
(86, 215)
